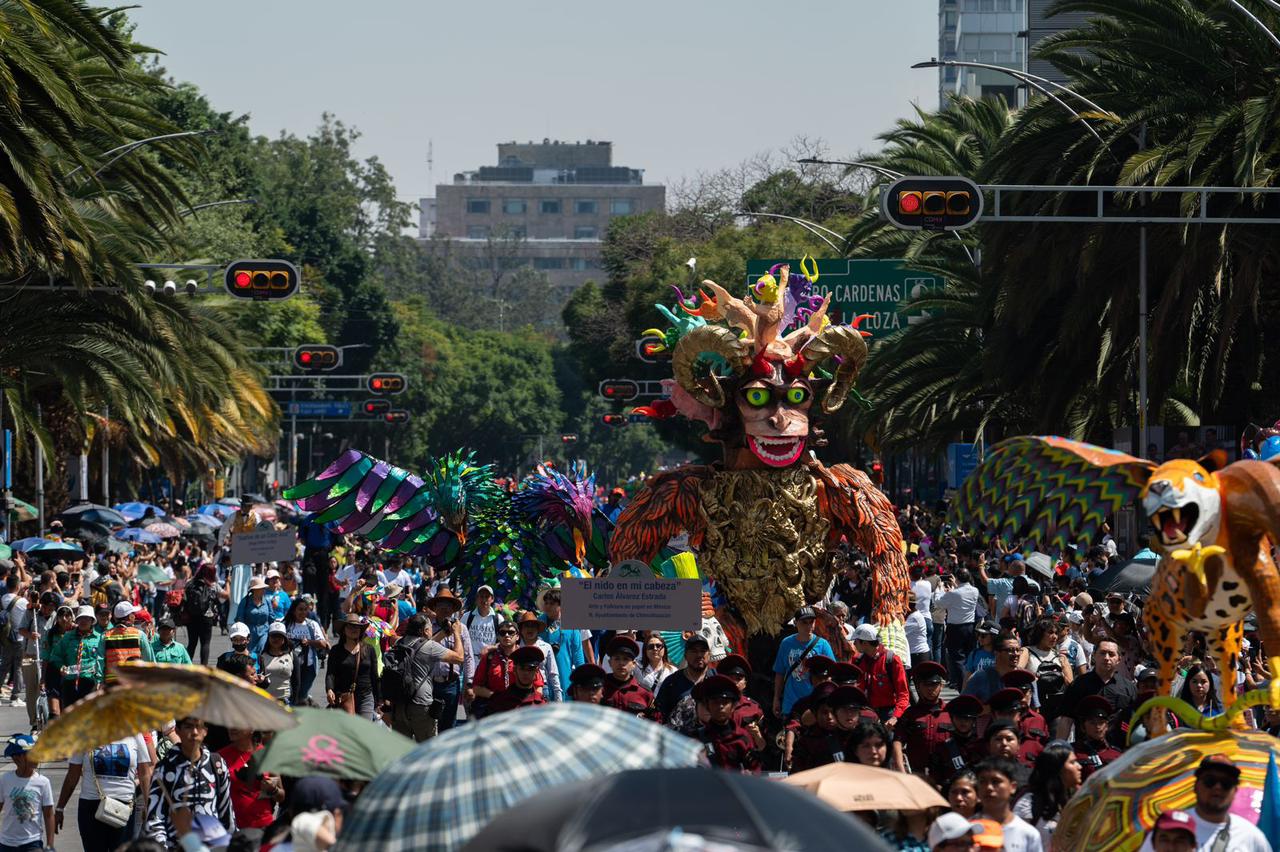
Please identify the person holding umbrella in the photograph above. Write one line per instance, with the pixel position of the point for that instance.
(190, 778)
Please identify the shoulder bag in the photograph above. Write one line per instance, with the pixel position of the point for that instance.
(111, 812)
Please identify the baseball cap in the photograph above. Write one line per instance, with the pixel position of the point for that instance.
(166, 622)
(124, 609)
(991, 835)
(950, 826)
(273, 573)
(485, 588)
(278, 627)
(1176, 821)
(866, 633)
(239, 630)
(19, 744)
(1218, 763)
(805, 612)
(85, 612)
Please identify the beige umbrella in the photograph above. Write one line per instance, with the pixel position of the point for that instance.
(854, 787)
(215, 696)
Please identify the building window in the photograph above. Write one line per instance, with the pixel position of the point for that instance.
(549, 206)
(516, 233)
(548, 263)
(620, 207)
(584, 232)
(477, 205)
(579, 263)
(584, 208)
(514, 206)
(477, 232)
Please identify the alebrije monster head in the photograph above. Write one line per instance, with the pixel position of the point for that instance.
(550, 497)
(458, 486)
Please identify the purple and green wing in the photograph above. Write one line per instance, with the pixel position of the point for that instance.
(1051, 490)
(386, 504)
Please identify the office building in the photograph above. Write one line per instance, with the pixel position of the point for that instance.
(546, 205)
(1038, 26)
(987, 31)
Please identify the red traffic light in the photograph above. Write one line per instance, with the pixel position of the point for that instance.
(264, 280)
(386, 384)
(615, 419)
(946, 203)
(373, 407)
(568, 439)
(316, 357)
(396, 415)
(619, 390)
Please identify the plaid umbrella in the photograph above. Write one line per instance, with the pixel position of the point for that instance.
(163, 529)
(443, 792)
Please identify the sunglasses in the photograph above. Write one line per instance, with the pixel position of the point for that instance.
(655, 645)
(506, 633)
(1222, 782)
(529, 667)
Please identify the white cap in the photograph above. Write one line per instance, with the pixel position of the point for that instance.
(278, 627)
(239, 630)
(867, 633)
(257, 583)
(951, 826)
(124, 609)
(85, 612)
(273, 573)
(485, 588)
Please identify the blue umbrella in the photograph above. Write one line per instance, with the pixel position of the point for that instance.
(438, 796)
(138, 535)
(22, 545)
(209, 521)
(216, 509)
(54, 549)
(135, 510)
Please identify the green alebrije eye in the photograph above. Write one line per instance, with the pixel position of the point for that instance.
(757, 397)
(797, 395)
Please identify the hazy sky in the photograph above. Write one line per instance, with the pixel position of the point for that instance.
(678, 87)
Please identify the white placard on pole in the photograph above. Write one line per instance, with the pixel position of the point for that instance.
(263, 545)
(632, 603)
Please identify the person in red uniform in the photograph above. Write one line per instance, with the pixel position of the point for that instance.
(747, 715)
(1006, 706)
(621, 689)
(728, 745)
(845, 674)
(1031, 723)
(523, 691)
(962, 748)
(1093, 721)
(920, 729)
(884, 678)
(586, 684)
(823, 741)
(494, 671)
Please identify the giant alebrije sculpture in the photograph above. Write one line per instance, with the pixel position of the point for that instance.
(765, 522)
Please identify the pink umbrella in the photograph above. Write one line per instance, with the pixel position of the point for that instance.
(164, 530)
(266, 512)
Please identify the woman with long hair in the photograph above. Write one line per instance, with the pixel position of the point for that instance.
(308, 638)
(1053, 782)
(1042, 649)
(656, 667)
(869, 744)
(349, 680)
(1198, 691)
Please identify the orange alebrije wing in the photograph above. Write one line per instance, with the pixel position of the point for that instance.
(665, 507)
(862, 513)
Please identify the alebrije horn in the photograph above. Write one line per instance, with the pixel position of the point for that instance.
(708, 339)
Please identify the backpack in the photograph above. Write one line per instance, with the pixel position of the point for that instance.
(397, 674)
(8, 633)
(1026, 615)
(200, 603)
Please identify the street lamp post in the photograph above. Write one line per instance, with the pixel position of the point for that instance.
(128, 147)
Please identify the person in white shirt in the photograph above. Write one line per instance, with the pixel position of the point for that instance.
(1217, 778)
(996, 786)
(917, 630)
(26, 800)
(961, 604)
(482, 622)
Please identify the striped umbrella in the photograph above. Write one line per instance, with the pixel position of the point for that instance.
(442, 793)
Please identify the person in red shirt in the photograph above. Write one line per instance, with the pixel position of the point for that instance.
(253, 796)
(747, 714)
(921, 727)
(728, 745)
(494, 669)
(524, 690)
(822, 742)
(884, 678)
(621, 689)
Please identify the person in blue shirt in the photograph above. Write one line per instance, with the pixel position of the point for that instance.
(566, 644)
(790, 678)
(277, 597)
(613, 506)
(255, 613)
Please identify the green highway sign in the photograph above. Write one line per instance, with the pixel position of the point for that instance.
(875, 287)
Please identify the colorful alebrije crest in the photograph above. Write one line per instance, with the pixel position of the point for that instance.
(554, 498)
(1051, 490)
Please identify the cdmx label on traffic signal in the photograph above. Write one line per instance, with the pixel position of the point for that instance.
(386, 384)
(317, 357)
(264, 280)
(932, 203)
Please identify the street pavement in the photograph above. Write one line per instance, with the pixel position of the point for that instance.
(13, 720)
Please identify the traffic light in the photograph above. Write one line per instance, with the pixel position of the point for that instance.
(615, 419)
(386, 384)
(568, 439)
(619, 390)
(371, 407)
(932, 203)
(264, 280)
(877, 472)
(396, 415)
(317, 357)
